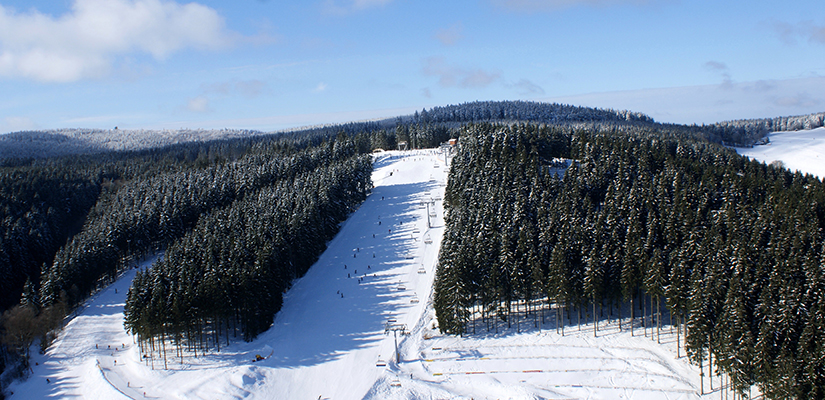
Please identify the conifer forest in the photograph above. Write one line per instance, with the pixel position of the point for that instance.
(645, 218)
(550, 210)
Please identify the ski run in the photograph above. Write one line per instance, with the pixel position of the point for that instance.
(336, 335)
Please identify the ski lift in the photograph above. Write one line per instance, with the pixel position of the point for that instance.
(395, 383)
(422, 270)
(380, 363)
(414, 300)
(428, 239)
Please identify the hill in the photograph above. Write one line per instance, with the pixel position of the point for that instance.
(61, 142)
(331, 341)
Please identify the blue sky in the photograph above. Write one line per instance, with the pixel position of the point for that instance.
(268, 65)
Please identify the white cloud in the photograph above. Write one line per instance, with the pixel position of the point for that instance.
(198, 104)
(86, 42)
(320, 88)
(552, 5)
(449, 75)
(451, 35)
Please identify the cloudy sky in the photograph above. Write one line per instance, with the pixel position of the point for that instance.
(268, 64)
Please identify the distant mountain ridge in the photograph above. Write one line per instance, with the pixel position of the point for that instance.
(61, 142)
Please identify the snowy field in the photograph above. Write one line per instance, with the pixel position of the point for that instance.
(798, 150)
(330, 340)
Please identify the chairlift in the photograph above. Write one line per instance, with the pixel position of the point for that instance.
(422, 270)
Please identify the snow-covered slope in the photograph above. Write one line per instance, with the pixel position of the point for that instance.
(330, 340)
(798, 150)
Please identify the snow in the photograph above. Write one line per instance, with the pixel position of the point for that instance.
(802, 151)
(325, 345)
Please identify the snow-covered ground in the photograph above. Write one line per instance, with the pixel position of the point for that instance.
(330, 340)
(798, 150)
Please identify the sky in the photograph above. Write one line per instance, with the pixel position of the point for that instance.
(269, 65)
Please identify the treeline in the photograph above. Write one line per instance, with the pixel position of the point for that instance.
(733, 248)
(40, 208)
(229, 273)
(513, 111)
(747, 132)
(61, 142)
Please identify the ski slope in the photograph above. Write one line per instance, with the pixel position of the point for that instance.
(330, 340)
(802, 151)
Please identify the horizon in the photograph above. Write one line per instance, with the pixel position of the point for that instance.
(266, 66)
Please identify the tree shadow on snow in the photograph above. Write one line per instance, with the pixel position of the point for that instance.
(345, 300)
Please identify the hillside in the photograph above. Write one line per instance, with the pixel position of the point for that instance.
(329, 340)
(802, 150)
(241, 221)
(62, 142)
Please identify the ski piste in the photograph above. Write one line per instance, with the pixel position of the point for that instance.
(336, 335)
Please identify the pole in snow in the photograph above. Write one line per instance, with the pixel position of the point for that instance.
(395, 328)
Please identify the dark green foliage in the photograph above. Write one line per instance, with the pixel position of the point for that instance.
(237, 260)
(735, 247)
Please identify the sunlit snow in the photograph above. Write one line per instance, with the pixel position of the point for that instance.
(798, 150)
(330, 341)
